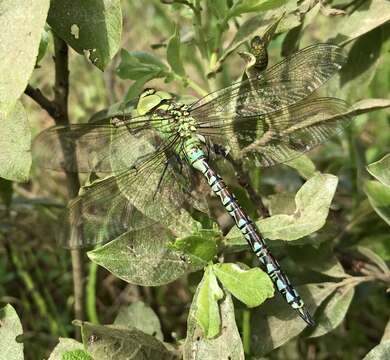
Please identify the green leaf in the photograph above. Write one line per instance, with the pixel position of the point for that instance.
(136, 88)
(201, 247)
(379, 352)
(65, 345)
(386, 332)
(109, 341)
(252, 287)
(78, 354)
(143, 257)
(227, 345)
(44, 43)
(282, 203)
(281, 323)
(379, 197)
(379, 244)
(381, 169)
(312, 207)
(335, 310)
(303, 165)
(368, 105)
(206, 310)
(135, 65)
(91, 27)
(245, 6)
(374, 258)
(140, 316)
(219, 8)
(367, 17)
(10, 328)
(21, 25)
(122, 108)
(15, 143)
(173, 54)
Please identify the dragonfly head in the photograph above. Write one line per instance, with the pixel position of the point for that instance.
(151, 99)
(259, 50)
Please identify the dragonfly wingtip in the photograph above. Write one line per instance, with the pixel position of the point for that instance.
(305, 315)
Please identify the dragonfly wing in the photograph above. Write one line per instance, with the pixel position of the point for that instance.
(287, 82)
(279, 136)
(86, 147)
(133, 199)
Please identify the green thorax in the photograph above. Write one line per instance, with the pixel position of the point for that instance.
(174, 121)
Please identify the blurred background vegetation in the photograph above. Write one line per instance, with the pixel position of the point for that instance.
(35, 273)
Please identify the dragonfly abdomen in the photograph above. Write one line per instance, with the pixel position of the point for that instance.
(250, 232)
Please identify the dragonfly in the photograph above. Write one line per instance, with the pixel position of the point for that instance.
(150, 158)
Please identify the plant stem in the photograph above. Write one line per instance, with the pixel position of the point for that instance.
(61, 95)
(91, 294)
(202, 44)
(246, 331)
(58, 110)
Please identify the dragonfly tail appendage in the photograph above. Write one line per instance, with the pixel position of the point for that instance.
(305, 315)
(251, 234)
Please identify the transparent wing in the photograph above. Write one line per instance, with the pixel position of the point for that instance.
(287, 82)
(87, 147)
(281, 135)
(150, 192)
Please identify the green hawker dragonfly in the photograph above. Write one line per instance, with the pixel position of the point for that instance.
(152, 157)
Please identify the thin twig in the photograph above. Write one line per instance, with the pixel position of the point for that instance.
(61, 95)
(58, 110)
(42, 101)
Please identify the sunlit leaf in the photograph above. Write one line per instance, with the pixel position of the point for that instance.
(245, 6)
(21, 25)
(102, 342)
(312, 206)
(143, 257)
(140, 316)
(303, 165)
(381, 169)
(281, 203)
(10, 328)
(252, 286)
(15, 143)
(379, 197)
(201, 247)
(206, 299)
(227, 345)
(65, 345)
(90, 27)
(379, 352)
(366, 17)
(79, 354)
(368, 105)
